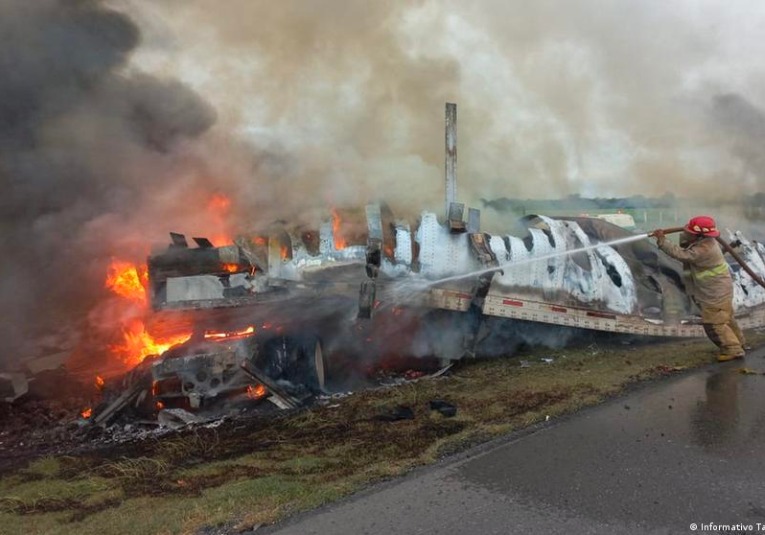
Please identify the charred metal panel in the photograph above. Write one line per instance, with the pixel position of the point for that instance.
(746, 292)
(442, 253)
(373, 257)
(450, 299)
(403, 252)
(202, 376)
(455, 219)
(178, 240)
(401, 264)
(374, 240)
(374, 222)
(326, 238)
(481, 249)
(367, 293)
(205, 287)
(520, 271)
(13, 386)
(252, 254)
(229, 254)
(203, 243)
(498, 247)
(274, 258)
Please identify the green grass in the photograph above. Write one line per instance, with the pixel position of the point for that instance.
(244, 474)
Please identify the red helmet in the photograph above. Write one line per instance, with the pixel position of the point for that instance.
(702, 225)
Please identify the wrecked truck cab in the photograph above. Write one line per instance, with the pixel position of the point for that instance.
(198, 373)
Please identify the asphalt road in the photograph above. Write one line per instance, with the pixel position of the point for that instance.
(682, 451)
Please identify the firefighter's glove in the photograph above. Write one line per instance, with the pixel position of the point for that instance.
(659, 235)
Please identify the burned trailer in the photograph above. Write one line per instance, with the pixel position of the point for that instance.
(632, 287)
(560, 272)
(372, 283)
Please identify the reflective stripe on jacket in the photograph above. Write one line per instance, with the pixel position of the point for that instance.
(710, 283)
(720, 269)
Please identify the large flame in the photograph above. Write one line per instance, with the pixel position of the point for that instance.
(229, 335)
(138, 343)
(127, 280)
(221, 239)
(219, 203)
(340, 241)
(219, 208)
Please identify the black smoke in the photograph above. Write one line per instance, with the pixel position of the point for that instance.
(85, 140)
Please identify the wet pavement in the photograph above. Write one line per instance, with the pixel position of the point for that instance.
(686, 450)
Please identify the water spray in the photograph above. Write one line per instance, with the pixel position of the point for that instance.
(529, 260)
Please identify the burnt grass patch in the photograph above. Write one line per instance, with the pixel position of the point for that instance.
(77, 509)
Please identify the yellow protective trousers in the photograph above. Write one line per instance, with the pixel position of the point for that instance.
(722, 329)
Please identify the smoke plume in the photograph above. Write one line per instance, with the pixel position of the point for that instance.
(555, 98)
(87, 144)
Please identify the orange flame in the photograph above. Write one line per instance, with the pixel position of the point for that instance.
(87, 413)
(219, 204)
(215, 335)
(231, 268)
(127, 280)
(137, 343)
(100, 382)
(284, 252)
(340, 242)
(256, 391)
(219, 240)
(219, 207)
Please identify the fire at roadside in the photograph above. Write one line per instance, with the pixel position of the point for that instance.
(282, 317)
(166, 371)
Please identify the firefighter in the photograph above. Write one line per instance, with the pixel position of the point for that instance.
(709, 283)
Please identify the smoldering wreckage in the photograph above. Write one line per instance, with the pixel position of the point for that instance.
(295, 315)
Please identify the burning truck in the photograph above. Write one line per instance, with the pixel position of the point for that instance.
(315, 302)
(329, 292)
(292, 312)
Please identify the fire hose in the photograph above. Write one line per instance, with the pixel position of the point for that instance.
(727, 248)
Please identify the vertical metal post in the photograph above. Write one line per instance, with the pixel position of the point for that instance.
(474, 220)
(451, 156)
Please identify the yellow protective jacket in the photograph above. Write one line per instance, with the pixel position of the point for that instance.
(710, 283)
